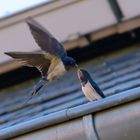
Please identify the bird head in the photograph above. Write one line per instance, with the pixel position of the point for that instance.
(69, 62)
(83, 76)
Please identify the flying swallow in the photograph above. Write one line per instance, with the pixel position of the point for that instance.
(90, 88)
(52, 61)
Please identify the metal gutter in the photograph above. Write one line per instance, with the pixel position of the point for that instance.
(119, 123)
(70, 113)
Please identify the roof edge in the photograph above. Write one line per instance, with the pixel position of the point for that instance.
(70, 113)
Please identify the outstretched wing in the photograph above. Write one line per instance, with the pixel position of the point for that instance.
(37, 60)
(45, 40)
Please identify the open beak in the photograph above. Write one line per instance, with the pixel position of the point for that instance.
(76, 66)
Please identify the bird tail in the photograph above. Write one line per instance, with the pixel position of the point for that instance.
(37, 87)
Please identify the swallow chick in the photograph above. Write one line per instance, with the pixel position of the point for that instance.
(52, 61)
(90, 88)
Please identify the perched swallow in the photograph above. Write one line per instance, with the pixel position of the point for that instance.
(90, 89)
(52, 61)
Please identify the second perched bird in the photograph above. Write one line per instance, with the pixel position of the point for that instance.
(52, 61)
(90, 89)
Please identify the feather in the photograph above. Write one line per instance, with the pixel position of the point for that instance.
(38, 60)
(45, 40)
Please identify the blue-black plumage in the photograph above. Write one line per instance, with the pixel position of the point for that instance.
(52, 60)
(89, 87)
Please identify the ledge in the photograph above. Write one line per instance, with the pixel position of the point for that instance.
(70, 113)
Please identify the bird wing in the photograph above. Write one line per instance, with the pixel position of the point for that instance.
(45, 40)
(37, 60)
(96, 87)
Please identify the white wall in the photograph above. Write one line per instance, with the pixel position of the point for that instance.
(130, 8)
(81, 17)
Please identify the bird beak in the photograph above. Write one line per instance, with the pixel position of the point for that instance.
(76, 66)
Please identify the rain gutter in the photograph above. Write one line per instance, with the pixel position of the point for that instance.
(70, 113)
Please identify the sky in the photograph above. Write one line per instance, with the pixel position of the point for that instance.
(10, 7)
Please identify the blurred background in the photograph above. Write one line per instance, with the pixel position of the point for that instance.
(76, 23)
(102, 35)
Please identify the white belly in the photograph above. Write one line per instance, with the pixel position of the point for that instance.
(56, 70)
(90, 92)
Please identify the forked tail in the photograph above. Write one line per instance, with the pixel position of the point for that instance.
(36, 88)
